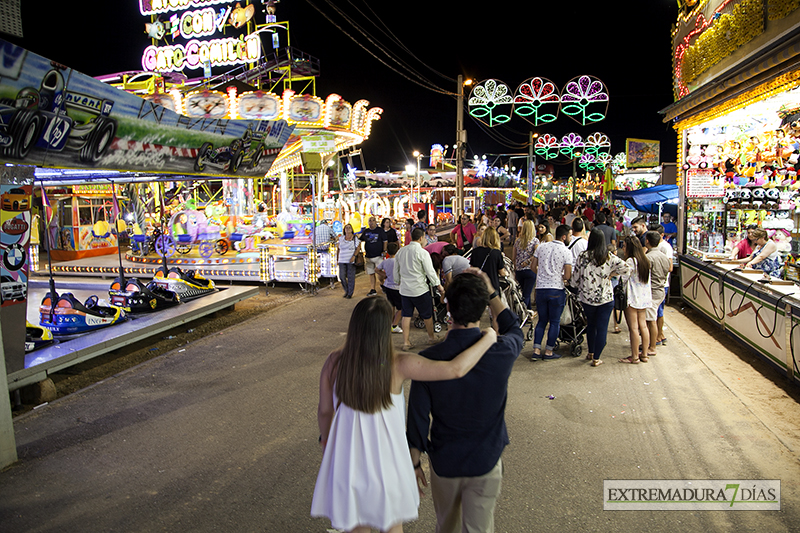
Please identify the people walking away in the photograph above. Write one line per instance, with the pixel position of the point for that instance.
(639, 295)
(453, 264)
(413, 271)
(465, 418)
(766, 255)
(552, 263)
(421, 223)
(601, 223)
(592, 277)
(489, 258)
(660, 268)
(579, 240)
(522, 256)
(464, 233)
(385, 272)
(391, 233)
(512, 219)
(366, 478)
(374, 247)
(348, 249)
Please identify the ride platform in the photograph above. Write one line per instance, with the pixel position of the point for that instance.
(66, 353)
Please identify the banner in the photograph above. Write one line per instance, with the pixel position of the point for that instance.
(642, 153)
(53, 116)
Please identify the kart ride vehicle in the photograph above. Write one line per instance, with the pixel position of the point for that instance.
(36, 337)
(137, 297)
(186, 284)
(54, 119)
(65, 315)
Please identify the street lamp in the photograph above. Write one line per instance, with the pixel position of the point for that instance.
(461, 139)
(575, 157)
(417, 155)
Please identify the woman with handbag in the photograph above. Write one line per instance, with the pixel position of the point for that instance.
(349, 250)
(522, 255)
(639, 295)
(592, 276)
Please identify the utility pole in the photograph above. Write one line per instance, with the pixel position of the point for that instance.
(531, 167)
(461, 138)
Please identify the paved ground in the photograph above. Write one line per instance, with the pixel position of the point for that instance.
(221, 435)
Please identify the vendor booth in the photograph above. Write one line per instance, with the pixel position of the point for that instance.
(737, 113)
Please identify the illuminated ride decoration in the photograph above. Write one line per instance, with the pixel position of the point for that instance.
(537, 100)
(549, 147)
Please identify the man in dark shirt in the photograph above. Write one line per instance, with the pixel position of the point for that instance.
(610, 233)
(375, 242)
(468, 430)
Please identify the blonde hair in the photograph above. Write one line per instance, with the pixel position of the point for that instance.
(491, 239)
(526, 234)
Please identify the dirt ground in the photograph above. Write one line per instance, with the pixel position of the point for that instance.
(89, 372)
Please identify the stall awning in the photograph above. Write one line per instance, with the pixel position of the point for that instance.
(648, 200)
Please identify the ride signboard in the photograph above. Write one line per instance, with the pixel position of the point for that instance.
(53, 116)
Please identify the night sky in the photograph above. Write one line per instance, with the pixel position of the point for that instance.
(625, 43)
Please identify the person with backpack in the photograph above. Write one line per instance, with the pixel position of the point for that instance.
(464, 233)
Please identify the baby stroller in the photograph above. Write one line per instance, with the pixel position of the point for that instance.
(440, 315)
(573, 324)
(513, 295)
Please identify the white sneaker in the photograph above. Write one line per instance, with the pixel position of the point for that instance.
(397, 329)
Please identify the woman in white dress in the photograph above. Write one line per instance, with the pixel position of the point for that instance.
(367, 479)
(637, 288)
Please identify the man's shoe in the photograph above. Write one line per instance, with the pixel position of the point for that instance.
(397, 329)
(372, 292)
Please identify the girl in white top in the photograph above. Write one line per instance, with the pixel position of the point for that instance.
(637, 285)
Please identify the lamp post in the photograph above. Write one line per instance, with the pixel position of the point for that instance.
(417, 155)
(461, 138)
(575, 158)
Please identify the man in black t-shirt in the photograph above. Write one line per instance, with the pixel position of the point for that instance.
(375, 241)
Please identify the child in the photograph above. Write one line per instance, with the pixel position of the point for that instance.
(385, 272)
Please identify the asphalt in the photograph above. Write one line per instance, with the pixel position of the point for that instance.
(221, 435)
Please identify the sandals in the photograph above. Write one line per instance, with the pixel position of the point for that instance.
(589, 356)
(616, 330)
(630, 360)
(644, 358)
(408, 346)
(597, 362)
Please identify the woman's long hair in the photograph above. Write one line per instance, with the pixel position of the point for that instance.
(364, 370)
(633, 248)
(491, 239)
(597, 249)
(526, 234)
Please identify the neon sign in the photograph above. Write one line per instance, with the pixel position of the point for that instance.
(595, 145)
(154, 7)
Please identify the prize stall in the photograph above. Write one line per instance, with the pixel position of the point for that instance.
(737, 114)
(83, 222)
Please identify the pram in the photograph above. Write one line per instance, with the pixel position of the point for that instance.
(573, 324)
(440, 313)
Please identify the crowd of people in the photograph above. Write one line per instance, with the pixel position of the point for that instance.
(371, 474)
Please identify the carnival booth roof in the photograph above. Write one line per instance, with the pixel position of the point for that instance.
(648, 200)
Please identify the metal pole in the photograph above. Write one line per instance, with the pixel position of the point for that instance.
(531, 168)
(458, 207)
(574, 179)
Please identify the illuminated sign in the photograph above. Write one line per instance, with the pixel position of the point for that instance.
(197, 21)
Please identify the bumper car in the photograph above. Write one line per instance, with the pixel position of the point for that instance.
(137, 297)
(186, 284)
(69, 316)
(36, 337)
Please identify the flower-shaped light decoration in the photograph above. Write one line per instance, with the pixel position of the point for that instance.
(537, 101)
(547, 146)
(571, 142)
(490, 101)
(585, 100)
(587, 161)
(604, 159)
(597, 143)
(619, 163)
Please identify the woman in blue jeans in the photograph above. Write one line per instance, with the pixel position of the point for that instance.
(592, 277)
(522, 255)
(552, 263)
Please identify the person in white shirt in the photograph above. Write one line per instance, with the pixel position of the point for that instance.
(666, 248)
(579, 240)
(413, 271)
(552, 263)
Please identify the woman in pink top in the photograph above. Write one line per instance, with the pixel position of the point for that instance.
(464, 233)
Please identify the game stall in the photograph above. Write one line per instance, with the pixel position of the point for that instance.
(737, 115)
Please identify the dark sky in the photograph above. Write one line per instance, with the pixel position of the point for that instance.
(625, 43)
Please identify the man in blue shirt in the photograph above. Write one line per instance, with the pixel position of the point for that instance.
(375, 242)
(468, 430)
(670, 229)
